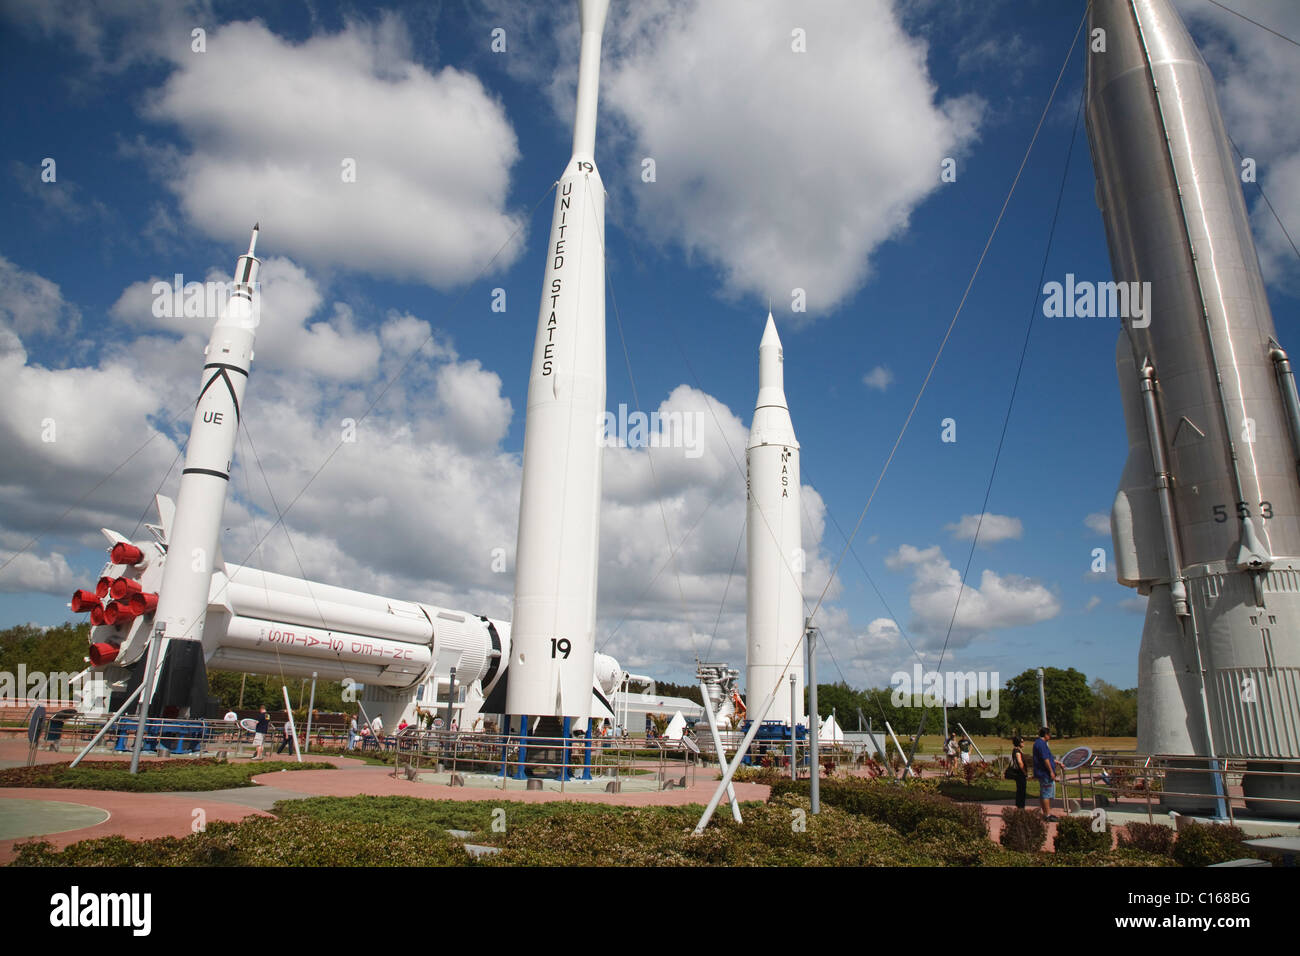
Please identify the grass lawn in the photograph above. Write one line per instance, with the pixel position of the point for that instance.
(876, 827)
(154, 776)
(932, 745)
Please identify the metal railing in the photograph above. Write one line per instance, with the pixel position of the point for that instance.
(72, 731)
(523, 757)
(1168, 780)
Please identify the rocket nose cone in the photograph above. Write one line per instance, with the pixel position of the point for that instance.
(771, 375)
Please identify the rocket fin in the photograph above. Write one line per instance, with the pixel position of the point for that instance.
(166, 515)
(1252, 554)
(495, 703)
(601, 708)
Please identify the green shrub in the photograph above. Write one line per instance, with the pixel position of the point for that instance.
(1022, 830)
(901, 807)
(782, 832)
(1148, 838)
(1074, 834)
(155, 776)
(1204, 844)
(765, 775)
(263, 841)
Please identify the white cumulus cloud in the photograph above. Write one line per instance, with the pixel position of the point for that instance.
(992, 528)
(276, 129)
(754, 158)
(998, 601)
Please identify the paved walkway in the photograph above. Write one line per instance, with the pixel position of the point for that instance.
(146, 816)
(141, 816)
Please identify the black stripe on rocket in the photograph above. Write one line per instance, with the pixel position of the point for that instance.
(223, 373)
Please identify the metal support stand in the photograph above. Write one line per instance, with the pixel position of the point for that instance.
(566, 750)
(971, 739)
(288, 716)
(310, 706)
(814, 718)
(722, 754)
(907, 766)
(732, 767)
(586, 763)
(794, 709)
(150, 664)
(110, 722)
(521, 772)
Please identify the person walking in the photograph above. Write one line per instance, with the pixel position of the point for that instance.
(1017, 770)
(950, 753)
(286, 740)
(1045, 773)
(260, 732)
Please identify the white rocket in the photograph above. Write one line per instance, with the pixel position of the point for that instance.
(193, 549)
(774, 540)
(553, 645)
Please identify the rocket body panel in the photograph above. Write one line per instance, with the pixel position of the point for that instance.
(1200, 389)
(193, 545)
(557, 553)
(774, 544)
(1140, 553)
(1175, 218)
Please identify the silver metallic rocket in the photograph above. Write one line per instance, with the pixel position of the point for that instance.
(1207, 517)
(774, 542)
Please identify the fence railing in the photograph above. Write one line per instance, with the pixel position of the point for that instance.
(1173, 781)
(531, 757)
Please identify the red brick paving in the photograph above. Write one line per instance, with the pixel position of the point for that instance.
(139, 816)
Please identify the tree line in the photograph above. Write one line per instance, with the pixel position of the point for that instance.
(1075, 707)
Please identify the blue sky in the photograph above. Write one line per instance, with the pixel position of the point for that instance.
(774, 170)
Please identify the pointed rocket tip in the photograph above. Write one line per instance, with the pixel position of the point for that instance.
(769, 333)
(252, 242)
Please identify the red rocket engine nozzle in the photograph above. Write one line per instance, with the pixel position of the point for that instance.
(124, 587)
(142, 603)
(83, 601)
(124, 553)
(97, 615)
(115, 613)
(101, 654)
(104, 586)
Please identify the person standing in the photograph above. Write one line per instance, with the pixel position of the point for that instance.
(352, 732)
(1045, 773)
(963, 747)
(950, 753)
(260, 732)
(1018, 772)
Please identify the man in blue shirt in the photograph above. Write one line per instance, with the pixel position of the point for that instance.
(1045, 773)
